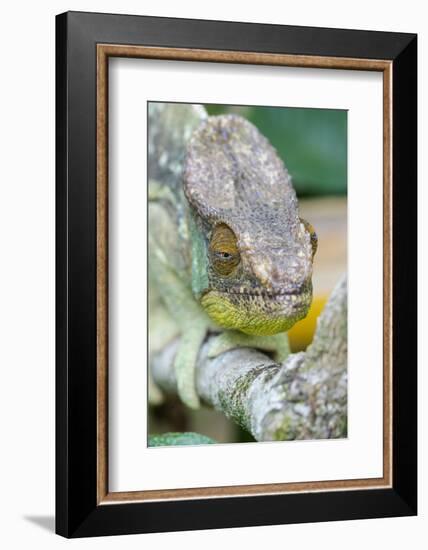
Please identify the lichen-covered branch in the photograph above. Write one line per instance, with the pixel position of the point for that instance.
(304, 398)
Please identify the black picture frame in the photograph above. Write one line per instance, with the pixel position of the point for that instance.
(78, 513)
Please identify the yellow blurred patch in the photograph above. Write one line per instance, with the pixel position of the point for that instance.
(300, 336)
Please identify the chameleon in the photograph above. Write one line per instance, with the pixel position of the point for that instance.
(227, 251)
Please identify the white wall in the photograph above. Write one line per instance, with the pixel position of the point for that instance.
(27, 271)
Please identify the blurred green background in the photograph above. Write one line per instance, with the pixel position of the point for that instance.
(313, 145)
(311, 142)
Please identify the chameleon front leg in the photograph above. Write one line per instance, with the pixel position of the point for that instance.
(185, 362)
(276, 344)
(191, 324)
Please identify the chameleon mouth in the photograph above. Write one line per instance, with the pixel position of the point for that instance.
(277, 303)
(257, 295)
(263, 292)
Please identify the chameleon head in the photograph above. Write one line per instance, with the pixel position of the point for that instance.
(252, 254)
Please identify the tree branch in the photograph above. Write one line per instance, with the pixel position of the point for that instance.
(304, 398)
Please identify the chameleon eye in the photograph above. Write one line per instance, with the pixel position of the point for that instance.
(314, 238)
(223, 250)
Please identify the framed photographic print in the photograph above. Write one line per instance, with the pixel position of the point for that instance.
(236, 274)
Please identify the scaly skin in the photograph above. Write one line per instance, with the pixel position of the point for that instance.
(227, 249)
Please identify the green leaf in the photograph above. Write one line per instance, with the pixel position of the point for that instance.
(178, 438)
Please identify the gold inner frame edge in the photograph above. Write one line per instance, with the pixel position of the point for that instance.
(104, 51)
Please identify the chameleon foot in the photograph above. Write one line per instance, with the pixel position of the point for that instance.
(276, 344)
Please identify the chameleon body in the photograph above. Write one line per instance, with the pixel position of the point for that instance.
(227, 250)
